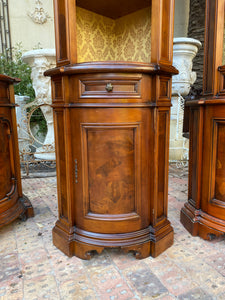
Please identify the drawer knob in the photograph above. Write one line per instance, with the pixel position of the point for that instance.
(109, 87)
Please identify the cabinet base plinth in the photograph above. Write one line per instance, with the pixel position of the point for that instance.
(28, 208)
(161, 238)
(83, 243)
(201, 224)
(21, 209)
(161, 245)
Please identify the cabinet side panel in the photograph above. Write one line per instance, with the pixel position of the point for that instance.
(162, 158)
(5, 164)
(209, 58)
(162, 31)
(65, 31)
(195, 156)
(166, 17)
(61, 30)
(61, 164)
(4, 93)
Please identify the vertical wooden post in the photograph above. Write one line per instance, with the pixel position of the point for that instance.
(214, 27)
(162, 54)
(162, 31)
(66, 46)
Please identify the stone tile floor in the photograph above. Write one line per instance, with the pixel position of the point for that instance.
(32, 268)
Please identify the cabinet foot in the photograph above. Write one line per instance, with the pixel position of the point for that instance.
(161, 238)
(161, 245)
(85, 251)
(21, 209)
(198, 223)
(28, 208)
(140, 251)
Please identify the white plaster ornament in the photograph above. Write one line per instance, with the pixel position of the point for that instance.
(39, 15)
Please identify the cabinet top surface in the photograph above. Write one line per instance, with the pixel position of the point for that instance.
(112, 67)
(113, 8)
(8, 79)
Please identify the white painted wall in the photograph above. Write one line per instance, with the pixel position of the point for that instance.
(26, 31)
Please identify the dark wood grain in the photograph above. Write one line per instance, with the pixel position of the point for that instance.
(12, 202)
(113, 8)
(111, 169)
(204, 213)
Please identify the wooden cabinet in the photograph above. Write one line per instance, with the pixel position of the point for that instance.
(204, 213)
(112, 125)
(13, 203)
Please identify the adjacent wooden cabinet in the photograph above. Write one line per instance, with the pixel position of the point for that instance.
(13, 203)
(111, 100)
(204, 213)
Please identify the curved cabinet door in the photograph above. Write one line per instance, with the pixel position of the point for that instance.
(110, 150)
(7, 180)
(213, 192)
(12, 201)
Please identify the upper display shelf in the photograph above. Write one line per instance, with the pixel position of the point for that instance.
(114, 30)
(113, 9)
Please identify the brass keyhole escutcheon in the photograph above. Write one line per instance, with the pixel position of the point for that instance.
(76, 171)
(109, 87)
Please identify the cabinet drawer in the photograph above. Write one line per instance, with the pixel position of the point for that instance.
(110, 87)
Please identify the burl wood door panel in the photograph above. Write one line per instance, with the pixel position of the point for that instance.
(111, 168)
(111, 171)
(220, 164)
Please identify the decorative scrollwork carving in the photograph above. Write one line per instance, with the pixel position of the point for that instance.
(39, 15)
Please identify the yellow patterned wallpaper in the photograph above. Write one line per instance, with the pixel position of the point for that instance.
(125, 39)
(133, 36)
(94, 36)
